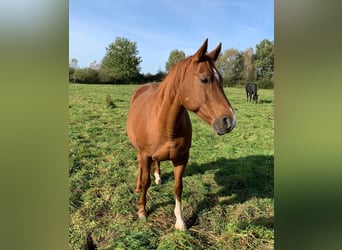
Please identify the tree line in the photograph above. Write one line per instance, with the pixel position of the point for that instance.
(121, 65)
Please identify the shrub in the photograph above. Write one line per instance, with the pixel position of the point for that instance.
(265, 84)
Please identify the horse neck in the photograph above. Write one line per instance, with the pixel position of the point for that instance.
(171, 110)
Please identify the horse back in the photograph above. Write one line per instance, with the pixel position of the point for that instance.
(251, 88)
(146, 88)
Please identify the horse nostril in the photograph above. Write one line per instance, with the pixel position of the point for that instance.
(226, 123)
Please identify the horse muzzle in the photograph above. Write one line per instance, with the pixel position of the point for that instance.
(224, 124)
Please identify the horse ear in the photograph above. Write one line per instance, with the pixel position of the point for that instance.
(215, 53)
(202, 50)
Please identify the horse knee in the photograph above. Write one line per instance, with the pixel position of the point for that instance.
(178, 174)
(144, 178)
(178, 188)
(146, 182)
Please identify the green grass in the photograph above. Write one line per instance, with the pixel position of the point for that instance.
(228, 184)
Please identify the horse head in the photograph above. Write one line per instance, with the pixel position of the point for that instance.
(202, 91)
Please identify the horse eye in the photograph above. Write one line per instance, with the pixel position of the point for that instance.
(205, 80)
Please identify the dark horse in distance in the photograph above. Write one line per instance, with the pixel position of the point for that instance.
(252, 92)
(158, 123)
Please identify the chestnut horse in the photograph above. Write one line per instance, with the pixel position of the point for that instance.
(158, 124)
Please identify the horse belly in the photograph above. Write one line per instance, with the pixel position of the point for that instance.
(136, 131)
(172, 150)
(138, 122)
(142, 134)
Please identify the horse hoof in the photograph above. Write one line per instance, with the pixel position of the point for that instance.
(180, 227)
(137, 190)
(158, 181)
(142, 215)
(142, 218)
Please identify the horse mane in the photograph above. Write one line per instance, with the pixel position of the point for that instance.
(168, 87)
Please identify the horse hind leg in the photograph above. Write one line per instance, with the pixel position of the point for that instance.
(157, 179)
(145, 163)
(138, 186)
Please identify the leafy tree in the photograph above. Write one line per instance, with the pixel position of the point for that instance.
(72, 77)
(264, 60)
(158, 77)
(174, 57)
(86, 75)
(231, 65)
(104, 77)
(121, 61)
(80, 75)
(248, 69)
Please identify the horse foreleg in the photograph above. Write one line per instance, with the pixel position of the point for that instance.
(178, 188)
(138, 186)
(145, 168)
(157, 179)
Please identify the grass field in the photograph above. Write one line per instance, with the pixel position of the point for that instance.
(228, 195)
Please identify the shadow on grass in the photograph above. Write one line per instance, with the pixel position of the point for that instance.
(235, 181)
(265, 101)
(241, 178)
(245, 177)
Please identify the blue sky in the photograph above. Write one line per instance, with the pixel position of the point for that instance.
(158, 27)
